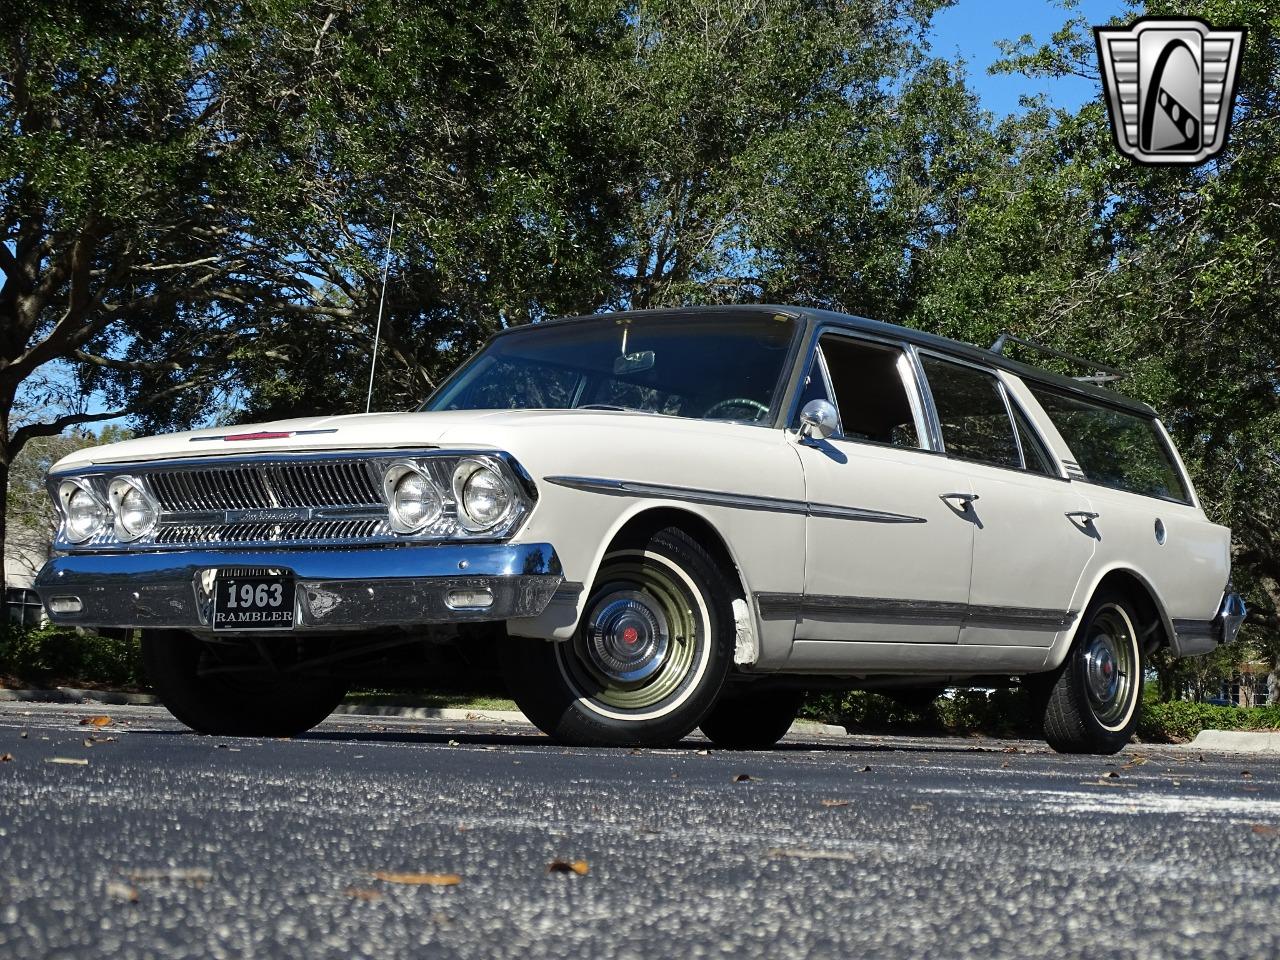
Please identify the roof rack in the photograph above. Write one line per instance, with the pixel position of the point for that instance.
(1104, 373)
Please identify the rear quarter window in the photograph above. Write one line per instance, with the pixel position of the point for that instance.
(1115, 448)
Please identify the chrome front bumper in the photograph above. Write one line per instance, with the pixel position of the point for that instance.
(336, 589)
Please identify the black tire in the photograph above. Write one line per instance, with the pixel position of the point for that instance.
(751, 721)
(1094, 699)
(254, 705)
(664, 584)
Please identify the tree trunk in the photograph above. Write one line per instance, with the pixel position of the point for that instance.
(4, 516)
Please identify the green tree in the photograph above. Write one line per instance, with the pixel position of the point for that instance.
(1168, 272)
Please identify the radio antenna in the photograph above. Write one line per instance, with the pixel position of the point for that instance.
(382, 299)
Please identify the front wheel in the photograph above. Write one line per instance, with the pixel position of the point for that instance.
(649, 656)
(1093, 701)
(226, 689)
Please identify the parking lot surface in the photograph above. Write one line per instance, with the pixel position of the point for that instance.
(372, 837)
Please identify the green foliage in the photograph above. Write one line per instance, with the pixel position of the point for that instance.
(1180, 720)
(1005, 713)
(1009, 713)
(52, 655)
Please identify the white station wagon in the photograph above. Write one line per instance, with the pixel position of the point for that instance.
(674, 519)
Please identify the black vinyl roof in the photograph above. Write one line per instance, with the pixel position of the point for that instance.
(966, 351)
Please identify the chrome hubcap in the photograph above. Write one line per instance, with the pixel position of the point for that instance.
(643, 642)
(627, 637)
(1100, 665)
(1110, 666)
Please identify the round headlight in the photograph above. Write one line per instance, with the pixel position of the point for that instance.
(135, 511)
(483, 495)
(413, 500)
(85, 515)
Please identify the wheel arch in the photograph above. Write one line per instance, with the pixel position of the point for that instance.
(638, 519)
(1157, 628)
(650, 519)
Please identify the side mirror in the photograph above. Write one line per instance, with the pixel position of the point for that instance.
(818, 420)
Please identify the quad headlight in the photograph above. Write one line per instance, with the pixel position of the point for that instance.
(135, 511)
(83, 514)
(414, 502)
(450, 495)
(483, 495)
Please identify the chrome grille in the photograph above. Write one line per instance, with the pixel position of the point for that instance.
(241, 534)
(325, 483)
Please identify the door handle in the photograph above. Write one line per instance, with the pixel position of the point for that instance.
(1084, 516)
(965, 498)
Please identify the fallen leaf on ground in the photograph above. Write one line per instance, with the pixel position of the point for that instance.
(579, 867)
(834, 803)
(865, 770)
(195, 875)
(743, 778)
(1245, 773)
(24, 734)
(73, 761)
(122, 891)
(1010, 750)
(362, 893)
(99, 721)
(1136, 761)
(1113, 774)
(6, 757)
(418, 879)
(1265, 829)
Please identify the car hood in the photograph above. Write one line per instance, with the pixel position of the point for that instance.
(368, 431)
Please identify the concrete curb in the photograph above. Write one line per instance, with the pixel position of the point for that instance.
(76, 695)
(800, 727)
(428, 713)
(1237, 741)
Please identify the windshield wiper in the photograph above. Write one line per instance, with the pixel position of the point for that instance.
(611, 406)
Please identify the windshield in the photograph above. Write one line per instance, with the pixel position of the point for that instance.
(725, 368)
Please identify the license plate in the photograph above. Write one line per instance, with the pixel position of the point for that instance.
(253, 603)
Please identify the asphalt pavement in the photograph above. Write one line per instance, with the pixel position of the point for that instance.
(372, 837)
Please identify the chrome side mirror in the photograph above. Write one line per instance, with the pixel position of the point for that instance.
(818, 420)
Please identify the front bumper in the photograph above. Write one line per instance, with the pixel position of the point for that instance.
(336, 589)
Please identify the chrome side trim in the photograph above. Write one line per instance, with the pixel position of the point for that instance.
(890, 610)
(717, 498)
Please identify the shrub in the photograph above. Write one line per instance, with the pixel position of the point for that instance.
(51, 655)
(998, 712)
(1008, 713)
(1180, 720)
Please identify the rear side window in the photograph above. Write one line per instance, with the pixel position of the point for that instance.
(1115, 448)
(971, 411)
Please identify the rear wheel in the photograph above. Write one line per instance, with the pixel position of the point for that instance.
(225, 689)
(648, 658)
(1093, 701)
(752, 721)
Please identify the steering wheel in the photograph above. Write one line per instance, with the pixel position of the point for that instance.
(735, 402)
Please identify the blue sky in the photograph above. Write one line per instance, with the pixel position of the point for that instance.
(970, 29)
